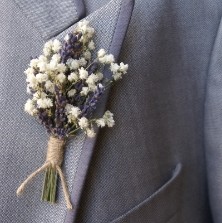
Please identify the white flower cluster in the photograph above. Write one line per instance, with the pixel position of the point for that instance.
(73, 114)
(39, 100)
(107, 119)
(60, 78)
(87, 31)
(118, 70)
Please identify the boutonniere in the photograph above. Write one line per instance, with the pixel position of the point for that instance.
(65, 84)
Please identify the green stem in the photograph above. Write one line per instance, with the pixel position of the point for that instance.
(49, 186)
(70, 87)
(74, 131)
(77, 129)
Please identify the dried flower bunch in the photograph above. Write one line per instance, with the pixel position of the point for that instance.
(66, 83)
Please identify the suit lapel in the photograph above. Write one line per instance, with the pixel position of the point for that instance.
(110, 23)
(52, 17)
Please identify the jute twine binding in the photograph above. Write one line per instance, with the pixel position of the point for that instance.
(54, 158)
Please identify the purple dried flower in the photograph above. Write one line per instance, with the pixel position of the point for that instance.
(91, 102)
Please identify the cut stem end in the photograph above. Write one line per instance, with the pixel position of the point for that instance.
(49, 186)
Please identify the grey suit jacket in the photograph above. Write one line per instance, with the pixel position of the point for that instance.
(162, 162)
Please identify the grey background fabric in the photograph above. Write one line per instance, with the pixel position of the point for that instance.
(151, 167)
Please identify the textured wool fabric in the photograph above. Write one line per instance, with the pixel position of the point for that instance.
(51, 17)
(24, 141)
(159, 112)
(156, 214)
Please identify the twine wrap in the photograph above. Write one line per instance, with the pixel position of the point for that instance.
(54, 158)
(55, 151)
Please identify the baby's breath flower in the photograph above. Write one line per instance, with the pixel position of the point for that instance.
(87, 55)
(30, 107)
(114, 67)
(61, 68)
(118, 70)
(71, 92)
(91, 79)
(28, 90)
(56, 57)
(68, 107)
(91, 45)
(61, 77)
(86, 30)
(90, 132)
(75, 111)
(73, 64)
(99, 76)
(85, 91)
(66, 38)
(73, 77)
(34, 63)
(100, 122)
(39, 95)
(47, 51)
(52, 65)
(44, 103)
(83, 123)
(41, 77)
(82, 62)
(110, 58)
(31, 79)
(72, 113)
(48, 44)
(83, 74)
(84, 23)
(92, 87)
(42, 58)
(102, 60)
(49, 86)
(29, 71)
(42, 65)
(123, 67)
(100, 86)
(117, 76)
(95, 77)
(101, 53)
(56, 45)
(107, 59)
(108, 118)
